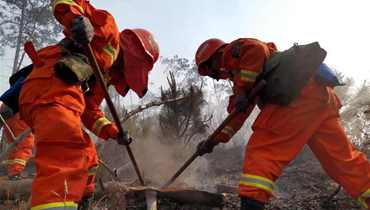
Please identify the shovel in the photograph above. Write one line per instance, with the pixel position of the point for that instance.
(112, 109)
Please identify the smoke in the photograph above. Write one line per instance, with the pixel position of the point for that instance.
(160, 161)
(160, 158)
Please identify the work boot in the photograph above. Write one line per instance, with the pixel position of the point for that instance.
(250, 204)
(15, 177)
(84, 204)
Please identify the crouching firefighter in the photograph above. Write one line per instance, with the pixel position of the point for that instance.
(17, 159)
(298, 106)
(60, 95)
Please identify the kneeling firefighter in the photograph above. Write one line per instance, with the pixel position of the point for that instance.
(61, 94)
(298, 106)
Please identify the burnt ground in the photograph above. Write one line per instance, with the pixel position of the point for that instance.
(302, 186)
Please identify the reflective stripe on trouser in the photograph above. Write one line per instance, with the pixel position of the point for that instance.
(260, 182)
(68, 205)
(364, 199)
(61, 160)
(15, 161)
(281, 132)
(18, 158)
(15, 166)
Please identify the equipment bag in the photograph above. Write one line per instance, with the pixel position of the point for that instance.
(22, 73)
(10, 96)
(287, 72)
(73, 68)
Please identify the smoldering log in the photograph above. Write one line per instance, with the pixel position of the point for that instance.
(21, 189)
(185, 195)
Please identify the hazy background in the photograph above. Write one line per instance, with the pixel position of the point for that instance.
(341, 27)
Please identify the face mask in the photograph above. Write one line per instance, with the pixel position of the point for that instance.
(219, 74)
(137, 65)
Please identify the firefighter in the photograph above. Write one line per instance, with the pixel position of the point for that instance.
(60, 94)
(138, 57)
(283, 127)
(18, 158)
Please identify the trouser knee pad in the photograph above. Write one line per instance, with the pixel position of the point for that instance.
(250, 204)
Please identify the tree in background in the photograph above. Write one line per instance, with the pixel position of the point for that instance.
(182, 120)
(26, 20)
(184, 70)
(355, 118)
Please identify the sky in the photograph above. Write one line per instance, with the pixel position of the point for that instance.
(341, 26)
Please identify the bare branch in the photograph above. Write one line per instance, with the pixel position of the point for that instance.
(149, 105)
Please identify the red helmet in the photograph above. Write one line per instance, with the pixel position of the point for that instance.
(140, 52)
(205, 51)
(148, 43)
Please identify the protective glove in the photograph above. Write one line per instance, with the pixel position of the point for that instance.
(206, 146)
(124, 138)
(109, 131)
(6, 112)
(82, 30)
(241, 103)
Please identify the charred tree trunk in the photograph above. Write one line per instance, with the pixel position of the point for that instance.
(19, 39)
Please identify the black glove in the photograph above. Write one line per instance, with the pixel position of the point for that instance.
(5, 112)
(124, 138)
(205, 147)
(82, 30)
(241, 103)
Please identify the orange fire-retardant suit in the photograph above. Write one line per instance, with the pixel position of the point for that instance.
(65, 154)
(55, 109)
(18, 158)
(280, 132)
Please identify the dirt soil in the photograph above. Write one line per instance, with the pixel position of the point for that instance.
(302, 186)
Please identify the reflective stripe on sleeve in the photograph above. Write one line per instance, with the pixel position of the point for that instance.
(258, 182)
(99, 124)
(67, 205)
(363, 197)
(248, 76)
(69, 2)
(111, 51)
(229, 131)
